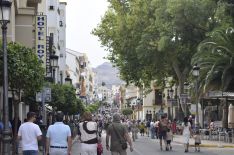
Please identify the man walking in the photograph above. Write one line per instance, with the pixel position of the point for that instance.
(58, 137)
(29, 134)
(118, 135)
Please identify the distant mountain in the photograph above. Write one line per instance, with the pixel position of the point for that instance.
(108, 74)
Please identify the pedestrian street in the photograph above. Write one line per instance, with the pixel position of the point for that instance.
(146, 146)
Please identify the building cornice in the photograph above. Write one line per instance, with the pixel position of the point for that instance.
(26, 11)
(33, 3)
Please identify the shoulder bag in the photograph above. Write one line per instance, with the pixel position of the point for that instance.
(124, 144)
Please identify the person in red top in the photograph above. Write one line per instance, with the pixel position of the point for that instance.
(173, 126)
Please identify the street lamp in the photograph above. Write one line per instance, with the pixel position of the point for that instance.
(138, 101)
(147, 115)
(5, 10)
(196, 70)
(68, 80)
(186, 87)
(54, 64)
(171, 91)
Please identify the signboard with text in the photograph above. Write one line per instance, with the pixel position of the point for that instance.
(41, 26)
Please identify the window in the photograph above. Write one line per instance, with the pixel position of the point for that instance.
(61, 23)
(158, 97)
(51, 7)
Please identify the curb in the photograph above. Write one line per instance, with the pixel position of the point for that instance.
(209, 145)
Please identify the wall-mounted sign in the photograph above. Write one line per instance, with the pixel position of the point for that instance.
(48, 67)
(41, 26)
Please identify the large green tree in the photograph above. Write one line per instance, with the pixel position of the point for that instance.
(25, 74)
(215, 58)
(64, 98)
(153, 39)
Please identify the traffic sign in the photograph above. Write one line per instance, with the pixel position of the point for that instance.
(38, 97)
(183, 98)
(183, 95)
(44, 95)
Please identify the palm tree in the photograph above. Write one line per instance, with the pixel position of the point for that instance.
(215, 58)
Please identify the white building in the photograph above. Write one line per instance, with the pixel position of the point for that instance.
(62, 41)
(73, 66)
(79, 70)
(55, 12)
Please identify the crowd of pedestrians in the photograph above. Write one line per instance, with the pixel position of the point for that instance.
(163, 129)
(120, 133)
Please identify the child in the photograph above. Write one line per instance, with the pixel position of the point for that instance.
(197, 139)
(142, 128)
(99, 147)
(169, 139)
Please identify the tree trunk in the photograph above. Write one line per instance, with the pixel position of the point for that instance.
(16, 117)
(181, 75)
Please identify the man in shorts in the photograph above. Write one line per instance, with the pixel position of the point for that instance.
(162, 131)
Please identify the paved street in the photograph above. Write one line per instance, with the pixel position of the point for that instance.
(147, 146)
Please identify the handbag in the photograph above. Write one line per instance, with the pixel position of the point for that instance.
(124, 144)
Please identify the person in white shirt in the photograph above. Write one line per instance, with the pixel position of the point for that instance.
(29, 134)
(58, 137)
(186, 126)
(88, 135)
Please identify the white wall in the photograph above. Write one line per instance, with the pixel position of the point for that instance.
(62, 41)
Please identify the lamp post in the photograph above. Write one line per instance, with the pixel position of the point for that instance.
(171, 91)
(150, 115)
(186, 87)
(53, 64)
(138, 108)
(68, 80)
(196, 75)
(5, 10)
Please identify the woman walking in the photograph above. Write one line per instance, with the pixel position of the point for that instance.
(134, 130)
(186, 128)
(88, 135)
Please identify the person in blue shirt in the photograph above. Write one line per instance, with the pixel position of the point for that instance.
(2, 125)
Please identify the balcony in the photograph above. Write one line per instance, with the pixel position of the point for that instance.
(33, 3)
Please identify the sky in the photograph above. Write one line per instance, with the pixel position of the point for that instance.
(82, 16)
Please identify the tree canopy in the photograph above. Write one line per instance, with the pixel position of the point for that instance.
(25, 72)
(64, 98)
(153, 39)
